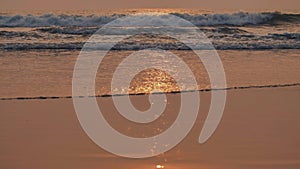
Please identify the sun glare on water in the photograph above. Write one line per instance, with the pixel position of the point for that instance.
(160, 166)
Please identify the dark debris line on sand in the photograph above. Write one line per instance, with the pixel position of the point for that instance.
(136, 94)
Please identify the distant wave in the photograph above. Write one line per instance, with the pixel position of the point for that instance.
(136, 94)
(235, 19)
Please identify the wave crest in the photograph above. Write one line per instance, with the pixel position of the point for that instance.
(235, 19)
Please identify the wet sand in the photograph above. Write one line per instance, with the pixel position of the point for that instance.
(259, 129)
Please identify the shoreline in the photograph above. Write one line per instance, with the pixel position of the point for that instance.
(172, 92)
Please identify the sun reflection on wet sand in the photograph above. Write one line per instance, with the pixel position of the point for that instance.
(153, 79)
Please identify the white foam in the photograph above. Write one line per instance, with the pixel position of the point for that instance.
(46, 20)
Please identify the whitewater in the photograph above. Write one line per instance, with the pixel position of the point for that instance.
(235, 31)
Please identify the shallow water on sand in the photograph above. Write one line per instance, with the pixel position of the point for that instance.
(50, 72)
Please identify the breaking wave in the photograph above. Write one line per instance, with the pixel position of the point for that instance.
(235, 19)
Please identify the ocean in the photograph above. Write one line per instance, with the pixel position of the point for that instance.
(39, 50)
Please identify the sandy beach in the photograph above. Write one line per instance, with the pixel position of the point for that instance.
(259, 129)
